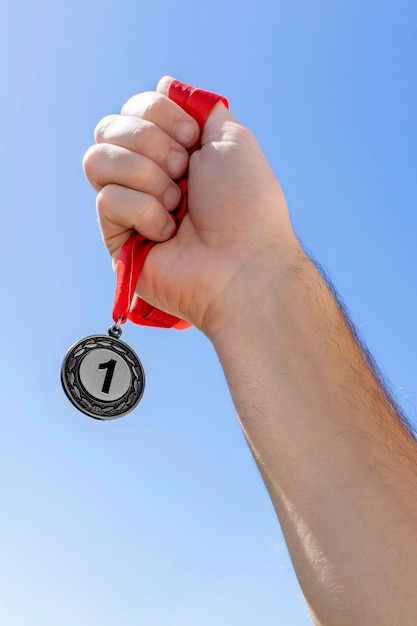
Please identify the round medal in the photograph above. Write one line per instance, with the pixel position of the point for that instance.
(103, 377)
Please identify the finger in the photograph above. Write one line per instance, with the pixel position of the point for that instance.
(106, 164)
(122, 211)
(166, 114)
(145, 138)
(219, 123)
(163, 85)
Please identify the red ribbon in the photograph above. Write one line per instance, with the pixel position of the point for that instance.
(128, 305)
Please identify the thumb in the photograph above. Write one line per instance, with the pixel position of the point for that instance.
(197, 102)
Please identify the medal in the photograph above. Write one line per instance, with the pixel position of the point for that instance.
(102, 376)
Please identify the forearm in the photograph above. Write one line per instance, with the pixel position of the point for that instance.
(338, 464)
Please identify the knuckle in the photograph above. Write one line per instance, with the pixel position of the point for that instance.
(143, 105)
(141, 132)
(93, 160)
(90, 161)
(129, 105)
(102, 128)
(153, 104)
(106, 200)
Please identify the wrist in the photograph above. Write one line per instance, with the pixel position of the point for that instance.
(255, 286)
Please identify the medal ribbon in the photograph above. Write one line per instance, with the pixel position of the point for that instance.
(127, 304)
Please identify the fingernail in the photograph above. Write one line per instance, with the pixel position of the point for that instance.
(169, 229)
(176, 163)
(186, 132)
(171, 197)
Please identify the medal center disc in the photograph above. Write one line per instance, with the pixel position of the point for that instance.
(105, 375)
(102, 377)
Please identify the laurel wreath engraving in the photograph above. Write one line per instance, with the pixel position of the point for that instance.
(81, 398)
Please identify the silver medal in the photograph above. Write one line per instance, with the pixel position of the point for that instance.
(102, 376)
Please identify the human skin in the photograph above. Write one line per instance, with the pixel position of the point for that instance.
(339, 465)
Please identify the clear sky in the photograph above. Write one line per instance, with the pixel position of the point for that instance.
(160, 518)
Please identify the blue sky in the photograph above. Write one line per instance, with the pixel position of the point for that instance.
(160, 518)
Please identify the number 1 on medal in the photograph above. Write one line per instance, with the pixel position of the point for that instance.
(109, 366)
(106, 395)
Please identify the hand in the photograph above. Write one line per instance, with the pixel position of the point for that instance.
(237, 218)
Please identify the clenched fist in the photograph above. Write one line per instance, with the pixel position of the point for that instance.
(237, 224)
